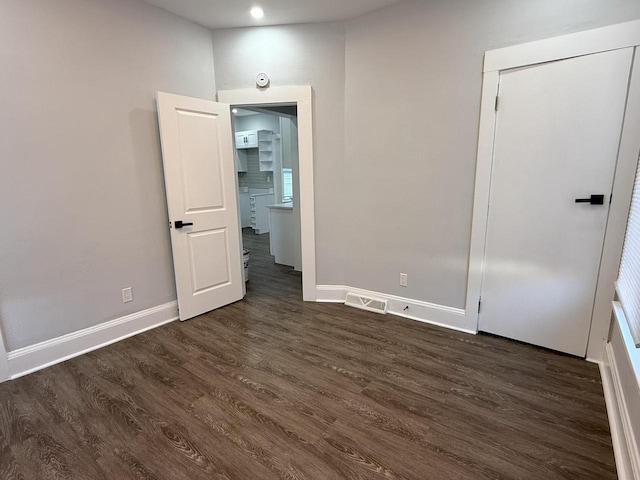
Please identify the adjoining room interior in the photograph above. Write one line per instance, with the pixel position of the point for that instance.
(266, 149)
(439, 202)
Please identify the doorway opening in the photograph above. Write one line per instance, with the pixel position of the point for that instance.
(267, 169)
(302, 98)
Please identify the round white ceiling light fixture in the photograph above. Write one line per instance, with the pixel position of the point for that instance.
(234, 111)
(257, 12)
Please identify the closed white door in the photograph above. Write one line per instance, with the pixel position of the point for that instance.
(199, 172)
(558, 128)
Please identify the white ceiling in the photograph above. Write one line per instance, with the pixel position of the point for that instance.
(235, 13)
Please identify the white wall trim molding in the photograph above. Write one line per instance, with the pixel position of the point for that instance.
(624, 35)
(597, 40)
(620, 371)
(624, 444)
(41, 355)
(303, 97)
(331, 293)
(442, 316)
(620, 451)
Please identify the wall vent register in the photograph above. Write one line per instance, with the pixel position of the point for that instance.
(366, 303)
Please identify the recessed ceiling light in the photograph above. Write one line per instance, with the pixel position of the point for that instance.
(234, 110)
(257, 12)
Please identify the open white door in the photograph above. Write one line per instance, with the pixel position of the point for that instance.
(199, 173)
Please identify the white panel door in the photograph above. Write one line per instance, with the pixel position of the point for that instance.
(557, 134)
(199, 172)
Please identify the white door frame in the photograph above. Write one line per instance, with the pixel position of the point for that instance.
(613, 37)
(303, 97)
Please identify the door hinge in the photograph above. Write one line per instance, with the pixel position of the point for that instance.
(479, 304)
(497, 102)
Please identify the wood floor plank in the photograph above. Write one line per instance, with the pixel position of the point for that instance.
(9, 467)
(275, 388)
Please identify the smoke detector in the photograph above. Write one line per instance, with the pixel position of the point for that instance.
(262, 80)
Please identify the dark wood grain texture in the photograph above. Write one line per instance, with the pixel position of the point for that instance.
(273, 388)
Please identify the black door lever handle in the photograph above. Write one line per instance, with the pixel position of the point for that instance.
(180, 224)
(593, 200)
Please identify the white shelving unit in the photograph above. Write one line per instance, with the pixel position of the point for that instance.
(263, 140)
(266, 150)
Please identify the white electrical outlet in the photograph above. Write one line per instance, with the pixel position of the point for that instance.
(404, 278)
(127, 295)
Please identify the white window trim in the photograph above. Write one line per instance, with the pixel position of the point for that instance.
(286, 198)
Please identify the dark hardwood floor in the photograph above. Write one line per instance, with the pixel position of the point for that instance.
(271, 388)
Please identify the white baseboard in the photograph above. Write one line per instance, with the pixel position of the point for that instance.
(331, 293)
(41, 355)
(448, 317)
(624, 448)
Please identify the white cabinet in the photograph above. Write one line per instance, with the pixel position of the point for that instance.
(284, 235)
(259, 212)
(248, 139)
(264, 141)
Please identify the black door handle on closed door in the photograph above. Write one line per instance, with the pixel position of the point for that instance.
(593, 200)
(180, 224)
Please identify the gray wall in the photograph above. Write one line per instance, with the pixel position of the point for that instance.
(401, 200)
(301, 55)
(83, 211)
(413, 79)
